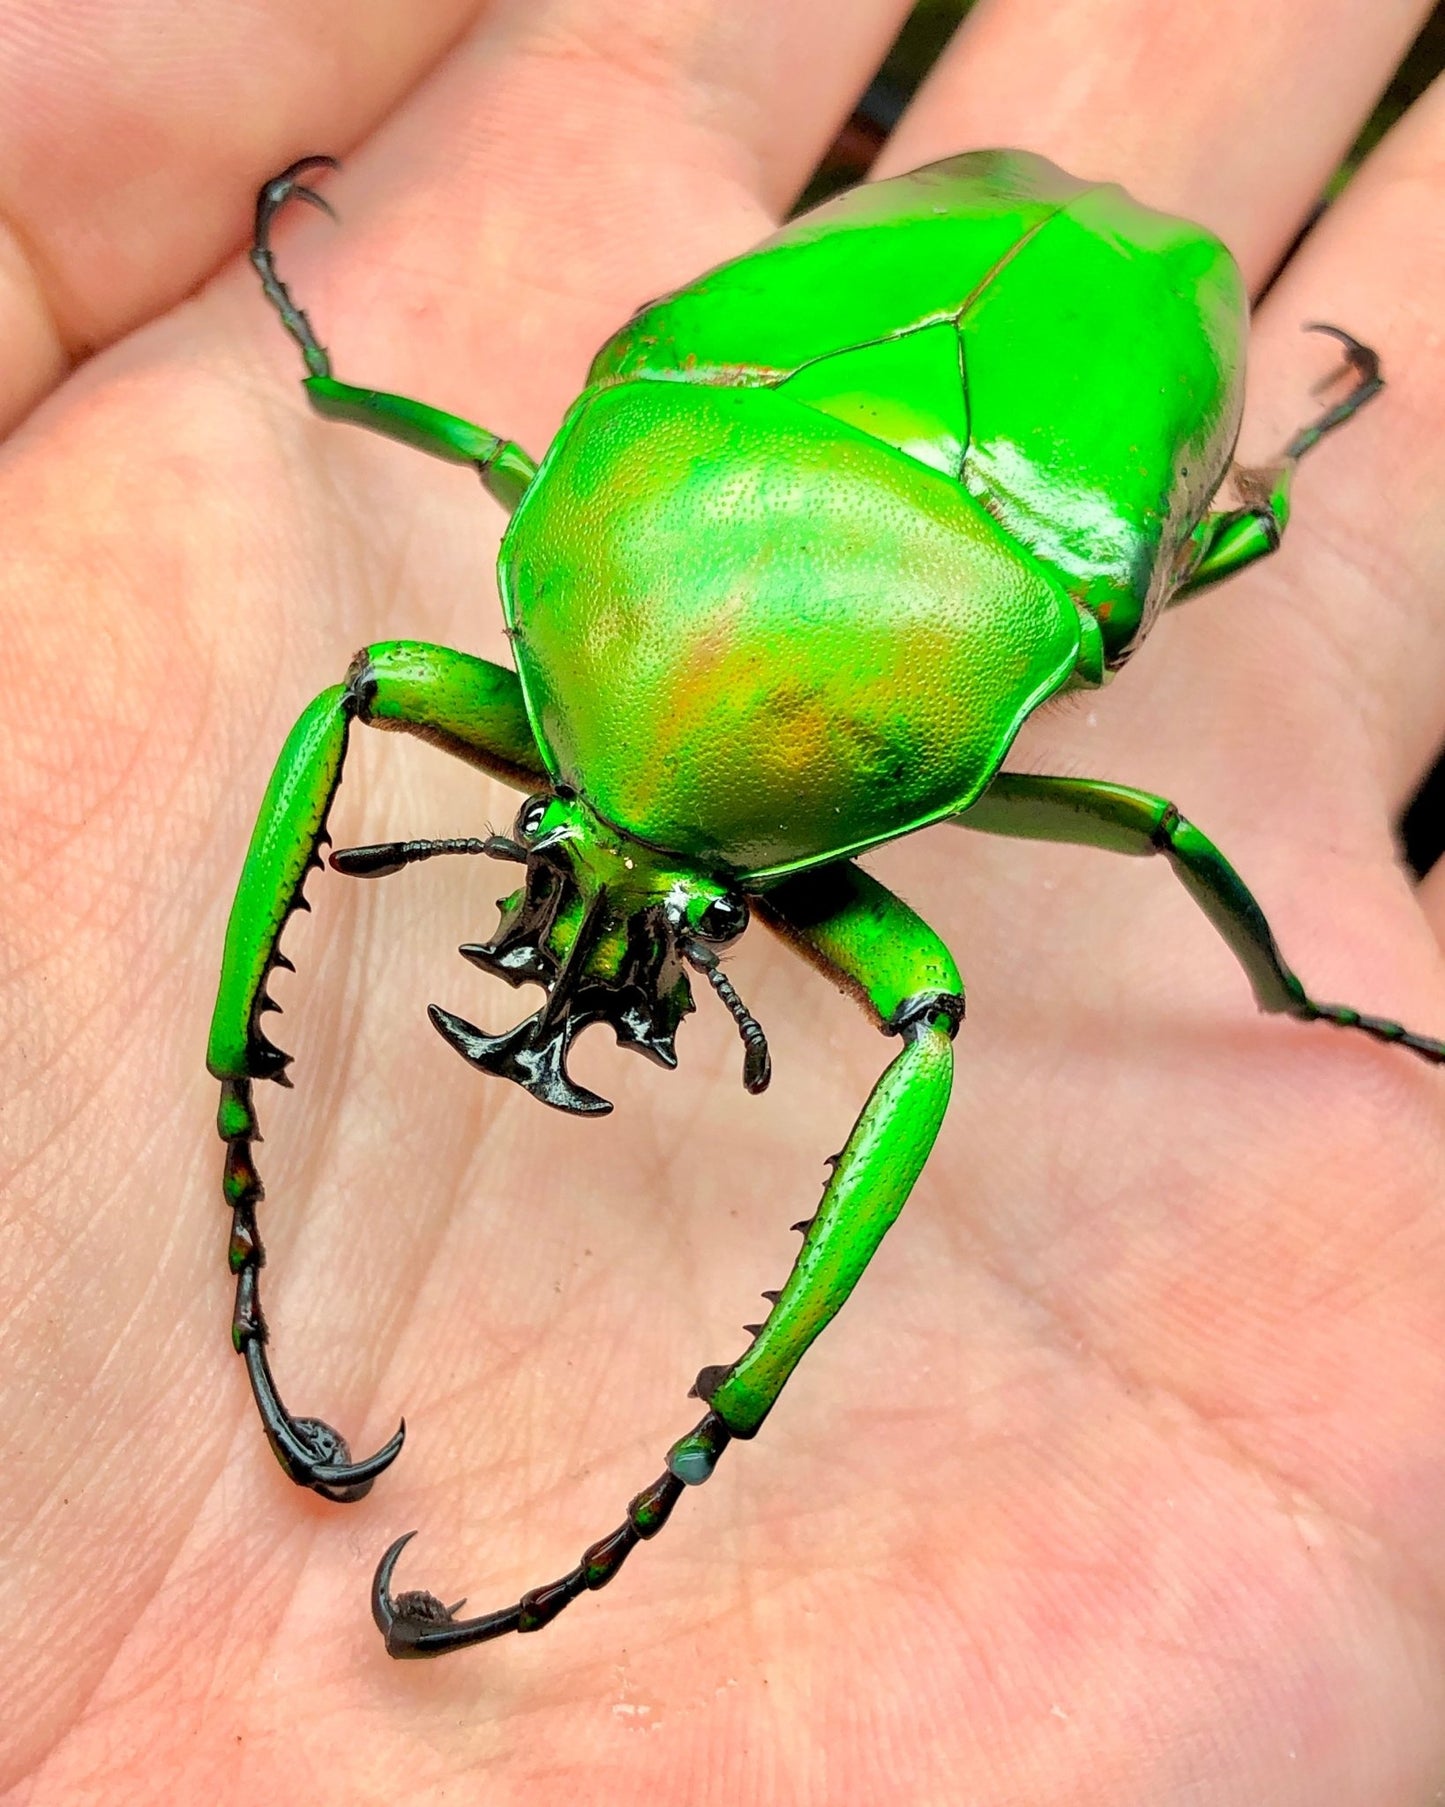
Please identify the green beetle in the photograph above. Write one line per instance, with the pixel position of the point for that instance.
(820, 532)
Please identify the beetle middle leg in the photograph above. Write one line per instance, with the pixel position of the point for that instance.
(875, 947)
(1227, 541)
(504, 468)
(471, 709)
(1089, 813)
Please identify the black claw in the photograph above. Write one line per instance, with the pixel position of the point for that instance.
(313, 1453)
(416, 1604)
(283, 188)
(417, 1624)
(1362, 359)
(272, 198)
(333, 1474)
(1365, 363)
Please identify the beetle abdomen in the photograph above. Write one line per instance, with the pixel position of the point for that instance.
(758, 637)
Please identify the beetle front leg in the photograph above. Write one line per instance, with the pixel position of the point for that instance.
(872, 945)
(1227, 541)
(877, 948)
(1089, 813)
(504, 468)
(468, 707)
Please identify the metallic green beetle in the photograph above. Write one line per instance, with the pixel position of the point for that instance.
(822, 529)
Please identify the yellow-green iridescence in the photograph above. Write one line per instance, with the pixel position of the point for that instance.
(758, 637)
(829, 522)
(1093, 346)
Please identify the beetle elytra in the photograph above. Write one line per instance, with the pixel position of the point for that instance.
(810, 546)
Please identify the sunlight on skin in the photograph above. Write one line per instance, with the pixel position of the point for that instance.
(1120, 1480)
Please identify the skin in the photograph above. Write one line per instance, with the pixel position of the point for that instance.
(1120, 1479)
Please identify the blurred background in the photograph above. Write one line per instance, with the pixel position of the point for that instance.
(931, 24)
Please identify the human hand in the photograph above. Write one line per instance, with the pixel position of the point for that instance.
(1120, 1480)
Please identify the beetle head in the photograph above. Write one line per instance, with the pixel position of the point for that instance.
(608, 928)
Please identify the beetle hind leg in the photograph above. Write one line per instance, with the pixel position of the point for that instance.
(504, 468)
(1365, 363)
(876, 947)
(273, 197)
(1380, 1028)
(1085, 812)
(1230, 539)
(417, 1624)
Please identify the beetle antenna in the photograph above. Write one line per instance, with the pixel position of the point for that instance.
(757, 1062)
(387, 857)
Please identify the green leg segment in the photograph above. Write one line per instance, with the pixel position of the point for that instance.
(1088, 813)
(1227, 541)
(876, 948)
(470, 708)
(504, 468)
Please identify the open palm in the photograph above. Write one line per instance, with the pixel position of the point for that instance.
(1121, 1479)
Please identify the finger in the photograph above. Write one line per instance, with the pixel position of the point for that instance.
(568, 162)
(1135, 92)
(118, 196)
(766, 85)
(1353, 601)
(1232, 114)
(577, 157)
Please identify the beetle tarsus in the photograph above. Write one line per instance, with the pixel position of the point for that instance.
(1365, 363)
(312, 1452)
(1381, 1029)
(416, 1624)
(272, 197)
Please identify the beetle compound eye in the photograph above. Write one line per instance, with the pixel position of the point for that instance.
(721, 919)
(529, 818)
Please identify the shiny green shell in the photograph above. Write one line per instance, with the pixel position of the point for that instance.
(828, 523)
